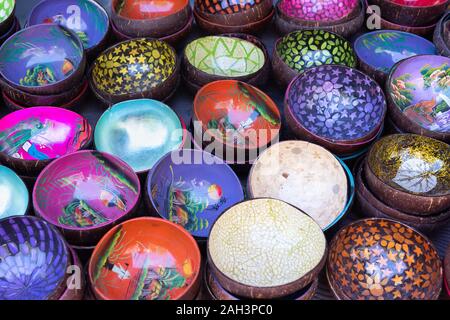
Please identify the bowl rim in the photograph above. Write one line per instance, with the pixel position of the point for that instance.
(441, 3)
(114, 13)
(401, 27)
(187, 235)
(21, 189)
(42, 214)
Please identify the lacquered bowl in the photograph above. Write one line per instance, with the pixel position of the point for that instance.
(233, 116)
(34, 260)
(228, 56)
(410, 173)
(134, 69)
(156, 260)
(447, 270)
(300, 50)
(86, 18)
(335, 106)
(378, 51)
(306, 176)
(13, 194)
(441, 36)
(7, 15)
(424, 31)
(380, 259)
(31, 138)
(192, 188)
(148, 18)
(418, 91)
(318, 10)
(124, 130)
(412, 13)
(84, 194)
(43, 59)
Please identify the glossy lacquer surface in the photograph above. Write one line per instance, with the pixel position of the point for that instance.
(13, 194)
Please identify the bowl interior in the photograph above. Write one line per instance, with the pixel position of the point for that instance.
(147, 9)
(268, 235)
(419, 3)
(85, 17)
(225, 56)
(382, 259)
(336, 102)
(412, 163)
(6, 8)
(382, 49)
(13, 194)
(310, 48)
(85, 190)
(318, 10)
(225, 6)
(144, 259)
(133, 66)
(40, 55)
(237, 114)
(43, 133)
(34, 258)
(420, 89)
(124, 131)
(192, 188)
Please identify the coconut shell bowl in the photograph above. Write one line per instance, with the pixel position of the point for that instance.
(447, 271)
(381, 259)
(134, 69)
(247, 16)
(378, 51)
(441, 37)
(14, 196)
(418, 94)
(410, 173)
(300, 50)
(33, 137)
(236, 119)
(224, 57)
(123, 131)
(146, 259)
(306, 176)
(43, 59)
(84, 194)
(7, 15)
(264, 249)
(86, 18)
(192, 188)
(335, 106)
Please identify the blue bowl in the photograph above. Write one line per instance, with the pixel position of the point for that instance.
(14, 197)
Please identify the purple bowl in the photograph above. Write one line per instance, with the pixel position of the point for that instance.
(33, 260)
(192, 188)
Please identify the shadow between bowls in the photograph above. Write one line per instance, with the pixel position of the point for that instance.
(15, 27)
(77, 292)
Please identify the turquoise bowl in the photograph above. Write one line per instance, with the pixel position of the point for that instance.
(14, 195)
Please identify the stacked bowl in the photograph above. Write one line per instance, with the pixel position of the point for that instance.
(441, 36)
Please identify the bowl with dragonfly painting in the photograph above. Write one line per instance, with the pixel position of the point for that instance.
(14, 196)
(192, 188)
(85, 193)
(43, 59)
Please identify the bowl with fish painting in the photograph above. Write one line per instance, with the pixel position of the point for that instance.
(34, 258)
(192, 188)
(418, 94)
(378, 51)
(7, 15)
(84, 194)
(33, 137)
(43, 59)
(86, 18)
(235, 117)
(441, 36)
(410, 173)
(14, 196)
(146, 259)
(381, 259)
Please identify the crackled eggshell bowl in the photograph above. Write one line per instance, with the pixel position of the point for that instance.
(146, 259)
(134, 69)
(410, 173)
(265, 248)
(380, 259)
(7, 15)
(192, 188)
(318, 10)
(441, 36)
(139, 132)
(306, 176)
(335, 106)
(33, 260)
(43, 59)
(378, 51)
(228, 56)
(86, 18)
(300, 50)
(84, 194)
(14, 196)
(31, 138)
(418, 93)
